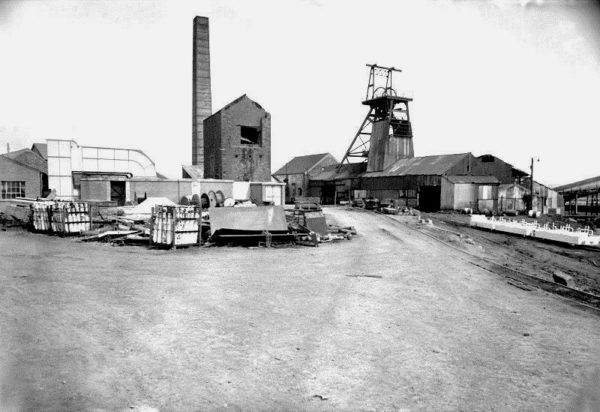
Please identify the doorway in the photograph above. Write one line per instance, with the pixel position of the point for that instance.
(117, 192)
(429, 198)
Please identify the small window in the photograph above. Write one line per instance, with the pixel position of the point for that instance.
(11, 190)
(250, 135)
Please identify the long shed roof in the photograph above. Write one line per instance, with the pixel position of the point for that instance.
(424, 165)
(591, 183)
(300, 164)
(337, 172)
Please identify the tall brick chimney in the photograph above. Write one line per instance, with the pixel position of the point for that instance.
(201, 100)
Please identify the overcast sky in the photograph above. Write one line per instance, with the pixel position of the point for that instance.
(512, 78)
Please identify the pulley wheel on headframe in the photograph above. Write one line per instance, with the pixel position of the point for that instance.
(212, 199)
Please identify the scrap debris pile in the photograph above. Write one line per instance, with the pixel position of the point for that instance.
(308, 222)
(386, 206)
(159, 222)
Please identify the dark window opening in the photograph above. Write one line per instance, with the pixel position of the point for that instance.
(487, 158)
(250, 135)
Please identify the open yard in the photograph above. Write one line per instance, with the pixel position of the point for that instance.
(391, 320)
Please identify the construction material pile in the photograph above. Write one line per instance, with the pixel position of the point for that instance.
(307, 221)
(175, 226)
(562, 234)
(386, 206)
(41, 216)
(70, 217)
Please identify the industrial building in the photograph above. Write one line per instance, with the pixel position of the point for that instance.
(299, 171)
(503, 171)
(233, 144)
(338, 183)
(432, 183)
(237, 142)
(581, 197)
(70, 166)
(389, 170)
(23, 173)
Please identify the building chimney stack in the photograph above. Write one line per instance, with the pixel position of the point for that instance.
(201, 100)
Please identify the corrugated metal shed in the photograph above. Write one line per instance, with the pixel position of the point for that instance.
(300, 164)
(425, 165)
(481, 180)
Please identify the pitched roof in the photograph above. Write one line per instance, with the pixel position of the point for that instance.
(482, 180)
(590, 183)
(28, 158)
(486, 158)
(300, 164)
(42, 149)
(193, 171)
(424, 165)
(239, 99)
(346, 171)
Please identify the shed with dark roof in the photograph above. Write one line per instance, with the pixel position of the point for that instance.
(430, 183)
(297, 173)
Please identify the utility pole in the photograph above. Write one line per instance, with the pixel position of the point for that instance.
(531, 184)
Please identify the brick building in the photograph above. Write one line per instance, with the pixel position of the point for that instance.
(23, 173)
(237, 142)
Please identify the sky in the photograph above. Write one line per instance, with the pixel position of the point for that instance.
(518, 79)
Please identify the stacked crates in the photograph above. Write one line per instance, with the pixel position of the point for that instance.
(174, 226)
(41, 216)
(70, 217)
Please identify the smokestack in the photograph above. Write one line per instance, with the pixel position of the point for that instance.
(201, 100)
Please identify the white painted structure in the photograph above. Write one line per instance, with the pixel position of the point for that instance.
(564, 234)
(66, 157)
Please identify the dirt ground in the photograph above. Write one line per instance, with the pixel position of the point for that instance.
(390, 320)
(533, 257)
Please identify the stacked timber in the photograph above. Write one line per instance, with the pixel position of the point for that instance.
(70, 217)
(175, 226)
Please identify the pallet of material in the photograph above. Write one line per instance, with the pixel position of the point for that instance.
(70, 217)
(41, 219)
(174, 226)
